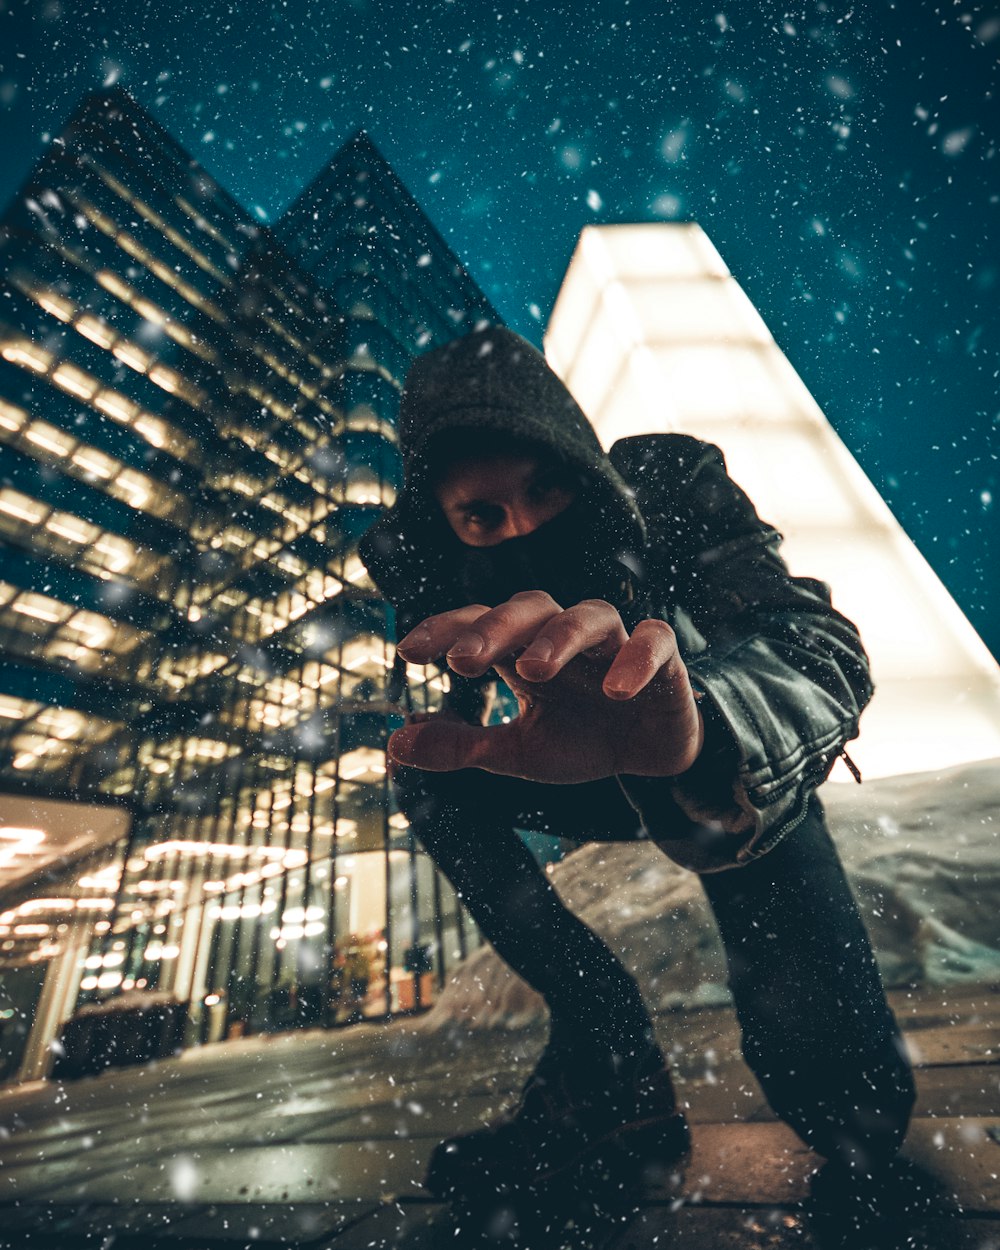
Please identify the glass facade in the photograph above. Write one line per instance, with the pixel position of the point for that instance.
(196, 427)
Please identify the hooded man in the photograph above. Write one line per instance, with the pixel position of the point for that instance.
(673, 682)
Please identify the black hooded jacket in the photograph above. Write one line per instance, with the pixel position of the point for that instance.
(782, 676)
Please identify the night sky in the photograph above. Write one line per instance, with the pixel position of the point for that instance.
(843, 159)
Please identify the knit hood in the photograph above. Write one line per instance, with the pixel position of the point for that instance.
(494, 381)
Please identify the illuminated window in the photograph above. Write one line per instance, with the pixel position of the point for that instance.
(365, 487)
(132, 247)
(204, 224)
(57, 305)
(132, 356)
(97, 331)
(26, 354)
(95, 462)
(367, 655)
(364, 419)
(116, 406)
(22, 507)
(72, 528)
(136, 489)
(89, 389)
(11, 418)
(49, 439)
(366, 764)
(356, 573)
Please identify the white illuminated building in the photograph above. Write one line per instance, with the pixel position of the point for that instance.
(652, 333)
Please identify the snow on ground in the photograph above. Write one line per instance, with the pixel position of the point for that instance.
(921, 852)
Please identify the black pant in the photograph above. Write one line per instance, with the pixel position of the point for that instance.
(817, 1030)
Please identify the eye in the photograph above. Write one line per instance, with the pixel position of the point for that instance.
(482, 517)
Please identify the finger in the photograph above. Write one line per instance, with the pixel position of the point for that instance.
(432, 637)
(441, 746)
(500, 631)
(651, 651)
(591, 626)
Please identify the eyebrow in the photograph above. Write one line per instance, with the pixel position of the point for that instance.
(473, 505)
(543, 475)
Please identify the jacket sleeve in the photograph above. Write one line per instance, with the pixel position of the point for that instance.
(780, 675)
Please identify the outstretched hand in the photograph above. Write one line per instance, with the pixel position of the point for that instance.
(593, 701)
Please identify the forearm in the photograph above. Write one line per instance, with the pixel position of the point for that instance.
(781, 675)
(778, 710)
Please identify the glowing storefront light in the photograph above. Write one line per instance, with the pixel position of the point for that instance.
(34, 905)
(652, 334)
(222, 850)
(367, 654)
(363, 764)
(22, 840)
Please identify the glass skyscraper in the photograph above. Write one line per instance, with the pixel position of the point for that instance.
(196, 427)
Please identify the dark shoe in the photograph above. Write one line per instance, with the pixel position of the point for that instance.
(874, 1208)
(608, 1116)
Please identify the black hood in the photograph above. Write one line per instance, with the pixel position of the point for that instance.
(494, 381)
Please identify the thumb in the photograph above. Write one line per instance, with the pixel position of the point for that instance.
(443, 746)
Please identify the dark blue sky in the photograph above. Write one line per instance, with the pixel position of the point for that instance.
(843, 159)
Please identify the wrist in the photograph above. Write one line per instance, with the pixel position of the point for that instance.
(698, 746)
(665, 753)
(717, 760)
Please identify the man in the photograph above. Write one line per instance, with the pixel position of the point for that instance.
(673, 682)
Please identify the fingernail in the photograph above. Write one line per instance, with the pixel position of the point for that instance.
(467, 644)
(541, 651)
(415, 641)
(400, 742)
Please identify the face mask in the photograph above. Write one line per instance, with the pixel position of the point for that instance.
(567, 557)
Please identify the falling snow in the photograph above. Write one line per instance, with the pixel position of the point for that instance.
(843, 160)
(832, 155)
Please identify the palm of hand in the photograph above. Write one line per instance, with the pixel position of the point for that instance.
(569, 731)
(601, 703)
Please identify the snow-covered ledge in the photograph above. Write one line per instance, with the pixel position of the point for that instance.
(923, 856)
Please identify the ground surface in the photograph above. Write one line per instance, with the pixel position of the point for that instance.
(320, 1140)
